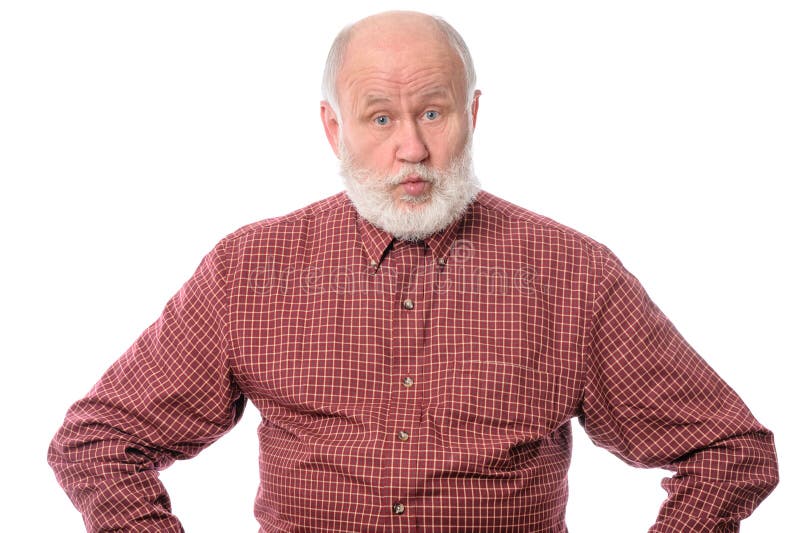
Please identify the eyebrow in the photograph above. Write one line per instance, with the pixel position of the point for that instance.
(376, 98)
(371, 99)
(435, 92)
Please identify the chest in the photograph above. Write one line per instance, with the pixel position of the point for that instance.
(467, 343)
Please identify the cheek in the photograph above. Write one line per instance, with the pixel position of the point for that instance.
(371, 151)
(448, 143)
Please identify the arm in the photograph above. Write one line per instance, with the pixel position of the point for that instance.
(651, 400)
(169, 396)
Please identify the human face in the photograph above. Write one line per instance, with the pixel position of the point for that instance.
(402, 102)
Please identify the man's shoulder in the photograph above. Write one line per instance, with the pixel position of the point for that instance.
(524, 223)
(325, 211)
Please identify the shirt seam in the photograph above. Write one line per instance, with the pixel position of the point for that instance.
(228, 333)
(599, 258)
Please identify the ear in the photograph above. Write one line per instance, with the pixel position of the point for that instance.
(331, 124)
(474, 108)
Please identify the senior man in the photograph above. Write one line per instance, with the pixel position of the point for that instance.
(416, 347)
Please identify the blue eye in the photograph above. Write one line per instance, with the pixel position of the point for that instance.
(431, 115)
(382, 120)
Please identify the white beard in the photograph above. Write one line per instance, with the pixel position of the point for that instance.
(418, 217)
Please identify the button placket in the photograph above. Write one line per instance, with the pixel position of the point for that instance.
(408, 342)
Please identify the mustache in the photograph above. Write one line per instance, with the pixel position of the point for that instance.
(417, 170)
(374, 179)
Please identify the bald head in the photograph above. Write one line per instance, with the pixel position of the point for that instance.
(395, 31)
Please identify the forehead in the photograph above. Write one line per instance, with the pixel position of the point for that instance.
(414, 60)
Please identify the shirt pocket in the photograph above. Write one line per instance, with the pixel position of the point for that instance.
(489, 397)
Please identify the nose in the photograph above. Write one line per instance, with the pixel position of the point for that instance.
(411, 146)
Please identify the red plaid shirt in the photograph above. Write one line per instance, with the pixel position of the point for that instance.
(407, 386)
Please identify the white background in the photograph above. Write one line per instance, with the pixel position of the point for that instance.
(134, 135)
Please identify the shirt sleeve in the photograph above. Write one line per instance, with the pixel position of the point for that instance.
(169, 396)
(652, 401)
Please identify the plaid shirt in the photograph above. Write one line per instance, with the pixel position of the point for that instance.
(413, 385)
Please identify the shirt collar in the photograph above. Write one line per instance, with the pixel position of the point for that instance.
(376, 241)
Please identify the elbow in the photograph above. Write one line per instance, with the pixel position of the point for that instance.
(773, 477)
(762, 463)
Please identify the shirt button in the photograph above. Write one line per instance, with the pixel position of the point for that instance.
(408, 382)
(398, 508)
(402, 435)
(408, 304)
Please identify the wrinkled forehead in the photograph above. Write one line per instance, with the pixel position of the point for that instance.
(400, 56)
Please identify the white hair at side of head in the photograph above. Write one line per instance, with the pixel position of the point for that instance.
(333, 65)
